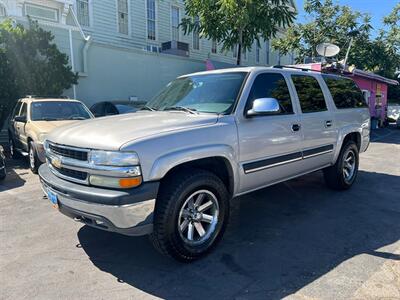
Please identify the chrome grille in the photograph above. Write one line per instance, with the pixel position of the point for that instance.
(71, 173)
(69, 152)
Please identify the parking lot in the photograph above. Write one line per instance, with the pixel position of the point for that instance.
(297, 239)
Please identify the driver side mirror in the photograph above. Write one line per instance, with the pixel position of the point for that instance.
(263, 107)
(21, 119)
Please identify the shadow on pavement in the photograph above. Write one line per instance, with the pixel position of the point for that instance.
(388, 135)
(280, 239)
(14, 179)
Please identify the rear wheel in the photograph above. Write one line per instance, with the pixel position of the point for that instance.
(13, 152)
(343, 173)
(34, 162)
(3, 173)
(191, 214)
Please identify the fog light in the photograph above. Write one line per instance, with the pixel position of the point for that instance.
(113, 182)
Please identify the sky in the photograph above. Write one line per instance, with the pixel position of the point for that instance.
(376, 8)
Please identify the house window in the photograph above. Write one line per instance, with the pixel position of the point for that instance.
(196, 36)
(151, 20)
(82, 12)
(2, 11)
(244, 53)
(267, 52)
(214, 46)
(257, 53)
(41, 12)
(123, 16)
(175, 23)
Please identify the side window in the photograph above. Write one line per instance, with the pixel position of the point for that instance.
(23, 112)
(271, 85)
(310, 94)
(16, 109)
(345, 92)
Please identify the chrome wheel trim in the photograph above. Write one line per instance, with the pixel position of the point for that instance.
(349, 165)
(198, 217)
(31, 158)
(11, 145)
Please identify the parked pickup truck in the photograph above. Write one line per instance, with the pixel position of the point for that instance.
(171, 169)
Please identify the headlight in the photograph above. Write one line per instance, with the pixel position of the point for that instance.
(113, 158)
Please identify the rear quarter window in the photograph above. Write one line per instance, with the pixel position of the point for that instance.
(345, 92)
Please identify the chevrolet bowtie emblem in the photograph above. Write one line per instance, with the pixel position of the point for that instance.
(56, 162)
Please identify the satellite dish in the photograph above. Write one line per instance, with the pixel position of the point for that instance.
(327, 49)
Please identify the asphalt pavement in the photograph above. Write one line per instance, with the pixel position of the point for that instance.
(297, 239)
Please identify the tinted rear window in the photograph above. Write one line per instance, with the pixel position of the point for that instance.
(310, 94)
(345, 92)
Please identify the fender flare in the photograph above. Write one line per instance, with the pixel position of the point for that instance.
(343, 132)
(165, 163)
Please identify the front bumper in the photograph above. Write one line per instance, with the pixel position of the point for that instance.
(128, 212)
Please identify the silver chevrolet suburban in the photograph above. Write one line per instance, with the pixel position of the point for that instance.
(171, 169)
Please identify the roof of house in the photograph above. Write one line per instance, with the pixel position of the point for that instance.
(373, 76)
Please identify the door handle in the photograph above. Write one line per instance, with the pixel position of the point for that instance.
(328, 123)
(296, 127)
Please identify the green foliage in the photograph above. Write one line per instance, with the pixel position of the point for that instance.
(237, 22)
(30, 64)
(329, 22)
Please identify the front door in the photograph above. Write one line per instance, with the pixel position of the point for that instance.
(22, 140)
(269, 145)
(317, 123)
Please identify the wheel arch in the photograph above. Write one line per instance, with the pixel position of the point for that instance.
(348, 135)
(219, 159)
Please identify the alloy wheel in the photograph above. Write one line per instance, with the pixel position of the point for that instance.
(349, 165)
(198, 217)
(32, 158)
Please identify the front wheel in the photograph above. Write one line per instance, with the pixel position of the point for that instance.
(191, 214)
(343, 173)
(34, 162)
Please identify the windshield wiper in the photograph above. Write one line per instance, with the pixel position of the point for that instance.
(182, 108)
(47, 119)
(77, 118)
(148, 108)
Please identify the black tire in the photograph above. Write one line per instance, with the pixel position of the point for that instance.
(173, 196)
(335, 176)
(3, 174)
(34, 162)
(14, 153)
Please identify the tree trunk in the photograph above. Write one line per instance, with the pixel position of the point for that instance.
(239, 54)
(239, 51)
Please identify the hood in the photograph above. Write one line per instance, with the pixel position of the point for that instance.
(110, 133)
(48, 126)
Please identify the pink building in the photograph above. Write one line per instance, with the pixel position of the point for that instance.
(375, 89)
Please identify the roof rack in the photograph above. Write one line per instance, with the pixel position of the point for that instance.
(295, 68)
(46, 96)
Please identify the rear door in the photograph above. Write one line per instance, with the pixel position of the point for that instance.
(317, 121)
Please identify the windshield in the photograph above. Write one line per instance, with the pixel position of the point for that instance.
(210, 93)
(58, 110)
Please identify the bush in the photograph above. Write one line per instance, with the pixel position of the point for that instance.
(30, 64)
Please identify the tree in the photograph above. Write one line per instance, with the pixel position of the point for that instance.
(237, 22)
(30, 64)
(333, 23)
(328, 23)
